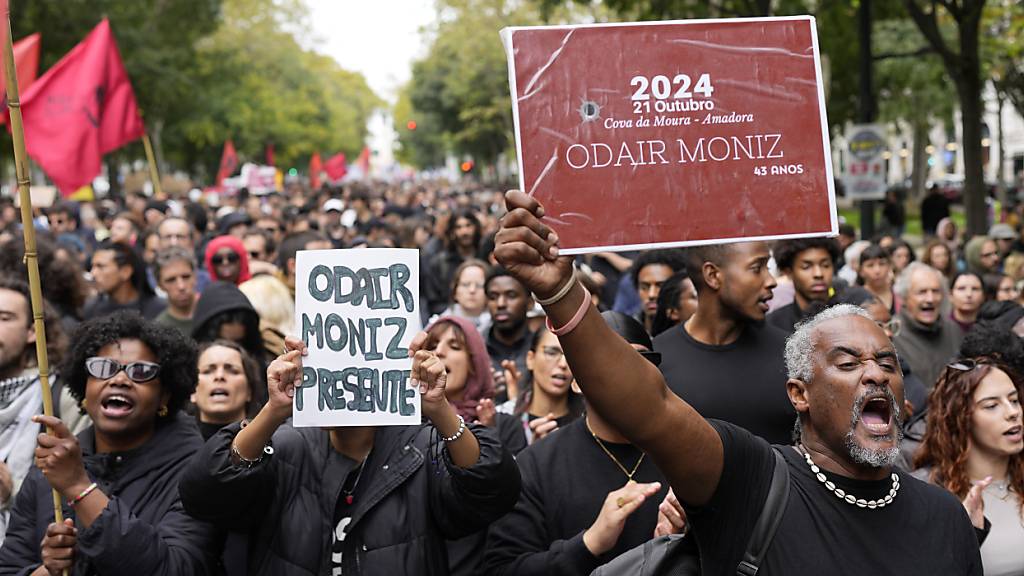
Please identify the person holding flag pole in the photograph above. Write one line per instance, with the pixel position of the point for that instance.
(28, 228)
(116, 509)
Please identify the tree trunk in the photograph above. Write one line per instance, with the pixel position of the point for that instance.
(969, 88)
(919, 160)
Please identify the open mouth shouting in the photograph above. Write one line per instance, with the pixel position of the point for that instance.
(117, 405)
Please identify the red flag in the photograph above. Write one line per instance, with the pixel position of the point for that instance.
(228, 163)
(26, 62)
(336, 167)
(364, 161)
(79, 110)
(270, 154)
(315, 168)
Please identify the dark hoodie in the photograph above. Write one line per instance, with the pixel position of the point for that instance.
(219, 300)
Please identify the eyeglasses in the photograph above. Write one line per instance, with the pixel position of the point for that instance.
(228, 258)
(892, 326)
(107, 368)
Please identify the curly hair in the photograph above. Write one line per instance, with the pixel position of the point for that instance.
(786, 251)
(675, 259)
(175, 354)
(945, 444)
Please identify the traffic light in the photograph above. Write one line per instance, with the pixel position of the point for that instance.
(467, 166)
(411, 125)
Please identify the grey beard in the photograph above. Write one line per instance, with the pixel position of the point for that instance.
(866, 456)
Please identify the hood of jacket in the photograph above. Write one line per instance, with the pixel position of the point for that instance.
(217, 298)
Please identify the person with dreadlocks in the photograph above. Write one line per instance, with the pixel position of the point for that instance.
(973, 448)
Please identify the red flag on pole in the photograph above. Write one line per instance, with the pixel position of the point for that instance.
(270, 154)
(364, 161)
(336, 167)
(26, 60)
(228, 163)
(79, 110)
(315, 168)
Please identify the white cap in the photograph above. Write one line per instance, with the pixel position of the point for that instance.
(334, 204)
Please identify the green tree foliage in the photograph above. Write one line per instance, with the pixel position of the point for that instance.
(422, 145)
(257, 85)
(208, 70)
(459, 92)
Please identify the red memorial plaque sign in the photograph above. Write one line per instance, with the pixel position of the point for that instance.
(663, 134)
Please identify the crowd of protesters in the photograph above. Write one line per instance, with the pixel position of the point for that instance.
(574, 408)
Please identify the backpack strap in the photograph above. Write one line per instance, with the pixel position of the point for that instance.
(768, 521)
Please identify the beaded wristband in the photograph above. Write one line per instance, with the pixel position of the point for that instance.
(82, 495)
(576, 319)
(561, 292)
(462, 428)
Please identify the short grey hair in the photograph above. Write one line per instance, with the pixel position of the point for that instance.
(800, 345)
(902, 286)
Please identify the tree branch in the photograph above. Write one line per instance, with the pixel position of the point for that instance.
(892, 55)
(929, 26)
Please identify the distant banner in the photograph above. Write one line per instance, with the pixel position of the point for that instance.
(357, 311)
(660, 134)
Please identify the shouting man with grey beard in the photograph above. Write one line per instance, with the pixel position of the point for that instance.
(849, 511)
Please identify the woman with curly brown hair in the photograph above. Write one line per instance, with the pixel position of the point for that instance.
(973, 449)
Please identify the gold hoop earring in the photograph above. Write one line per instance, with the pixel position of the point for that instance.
(162, 412)
(84, 404)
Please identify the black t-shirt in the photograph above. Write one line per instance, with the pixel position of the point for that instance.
(743, 383)
(343, 513)
(566, 478)
(924, 531)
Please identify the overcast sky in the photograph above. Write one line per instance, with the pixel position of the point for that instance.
(379, 38)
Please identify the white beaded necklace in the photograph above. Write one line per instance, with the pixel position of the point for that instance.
(850, 498)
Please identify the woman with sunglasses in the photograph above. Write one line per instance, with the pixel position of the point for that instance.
(227, 260)
(973, 448)
(118, 480)
(547, 402)
(352, 500)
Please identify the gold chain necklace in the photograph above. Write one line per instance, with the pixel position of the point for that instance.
(629, 474)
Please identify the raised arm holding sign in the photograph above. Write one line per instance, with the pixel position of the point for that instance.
(855, 512)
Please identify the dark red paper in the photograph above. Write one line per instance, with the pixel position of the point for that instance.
(755, 154)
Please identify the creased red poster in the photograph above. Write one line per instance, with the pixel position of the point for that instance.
(660, 134)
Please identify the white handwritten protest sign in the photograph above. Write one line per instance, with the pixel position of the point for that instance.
(357, 312)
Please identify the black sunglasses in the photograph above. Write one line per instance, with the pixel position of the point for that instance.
(229, 258)
(107, 368)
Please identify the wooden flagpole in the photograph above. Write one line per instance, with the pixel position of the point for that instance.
(154, 172)
(29, 228)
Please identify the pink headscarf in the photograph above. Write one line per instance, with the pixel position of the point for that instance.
(480, 383)
(236, 246)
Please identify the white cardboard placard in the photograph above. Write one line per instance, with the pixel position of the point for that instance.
(357, 311)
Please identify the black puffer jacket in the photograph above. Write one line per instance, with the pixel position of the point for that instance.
(143, 529)
(399, 523)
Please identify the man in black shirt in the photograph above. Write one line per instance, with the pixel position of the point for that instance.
(848, 512)
(568, 523)
(811, 264)
(724, 361)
